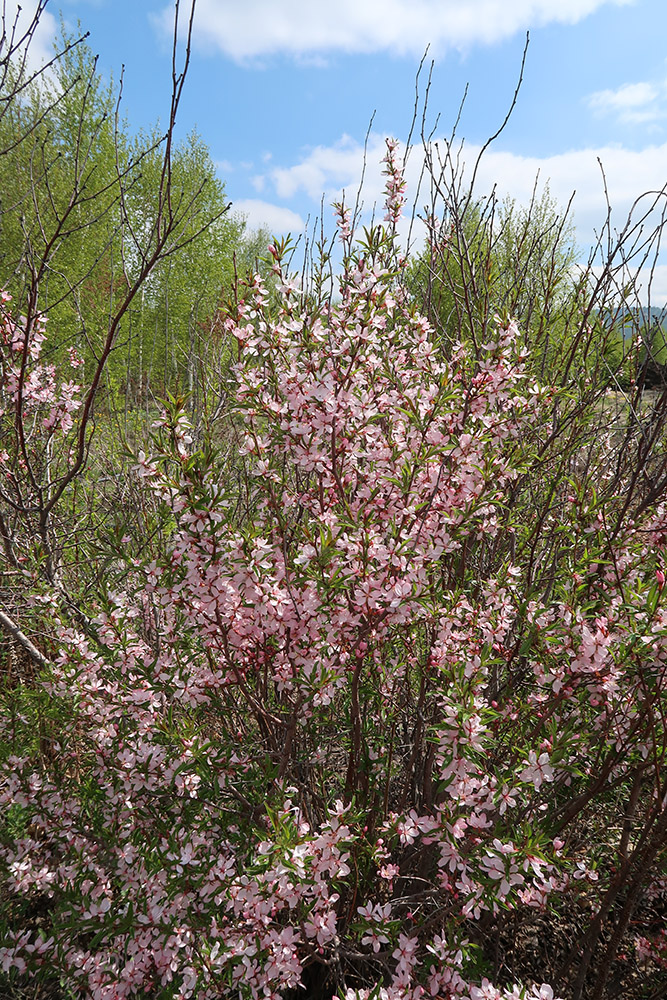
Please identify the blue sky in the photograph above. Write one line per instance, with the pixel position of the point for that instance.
(283, 92)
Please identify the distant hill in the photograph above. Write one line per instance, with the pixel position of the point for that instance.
(646, 317)
(651, 323)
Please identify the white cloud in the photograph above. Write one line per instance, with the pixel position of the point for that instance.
(632, 103)
(326, 169)
(265, 215)
(647, 283)
(40, 46)
(627, 174)
(658, 286)
(302, 27)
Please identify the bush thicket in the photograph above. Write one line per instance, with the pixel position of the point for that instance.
(349, 680)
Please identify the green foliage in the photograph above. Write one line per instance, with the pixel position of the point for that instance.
(79, 221)
(485, 258)
(653, 354)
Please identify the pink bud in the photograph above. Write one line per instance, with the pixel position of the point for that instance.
(660, 577)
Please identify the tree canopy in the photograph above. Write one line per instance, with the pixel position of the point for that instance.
(81, 216)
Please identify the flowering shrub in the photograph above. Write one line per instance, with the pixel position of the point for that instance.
(27, 383)
(338, 728)
(37, 413)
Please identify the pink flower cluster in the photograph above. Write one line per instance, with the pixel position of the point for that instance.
(26, 383)
(231, 806)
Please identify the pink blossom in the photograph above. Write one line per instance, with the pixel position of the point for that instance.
(538, 769)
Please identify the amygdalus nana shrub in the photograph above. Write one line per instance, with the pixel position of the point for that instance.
(336, 733)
